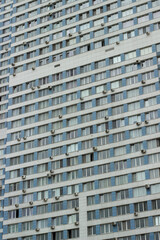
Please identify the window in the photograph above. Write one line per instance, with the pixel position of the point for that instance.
(113, 28)
(123, 226)
(86, 144)
(85, 68)
(101, 101)
(141, 223)
(128, 23)
(149, 89)
(121, 180)
(86, 105)
(117, 137)
(102, 127)
(145, 51)
(143, 19)
(143, 30)
(116, 84)
(153, 158)
(132, 80)
(127, 12)
(100, 64)
(28, 197)
(123, 194)
(119, 151)
(13, 228)
(150, 102)
(133, 106)
(131, 68)
(117, 97)
(130, 55)
(139, 176)
(140, 207)
(88, 186)
(42, 223)
(42, 195)
(135, 133)
(118, 123)
(112, 17)
(84, 5)
(115, 72)
(117, 110)
(87, 131)
(138, 192)
(27, 212)
(152, 115)
(114, 39)
(156, 14)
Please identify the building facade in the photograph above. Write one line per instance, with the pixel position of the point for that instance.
(79, 119)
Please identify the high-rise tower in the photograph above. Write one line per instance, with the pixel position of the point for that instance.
(79, 120)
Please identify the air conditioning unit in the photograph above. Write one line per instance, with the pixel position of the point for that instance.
(53, 227)
(6, 49)
(24, 43)
(146, 121)
(16, 205)
(52, 131)
(106, 117)
(107, 131)
(76, 208)
(51, 157)
(94, 148)
(57, 197)
(38, 86)
(112, 90)
(37, 229)
(117, 43)
(147, 186)
(143, 151)
(138, 123)
(138, 61)
(50, 87)
(23, 176)
(18, 139)
(81, 98)
(46, 42)
(31, 203)
(24, 137)
(104, 91)
(14, 74)
(76, 194)
(143, 81)
(114, 223)
(60, 116)
(51, 171)
(135, 214)
(102, 24)
(24, 191)
(33, 88)
(67, 154)
(147, 33)
(45, 199)
(13, 64)
(76, 223)
(79, 32)
(33, 68)
(49, 175)
(70, 35)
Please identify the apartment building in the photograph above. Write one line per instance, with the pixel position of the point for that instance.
(79, 119)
